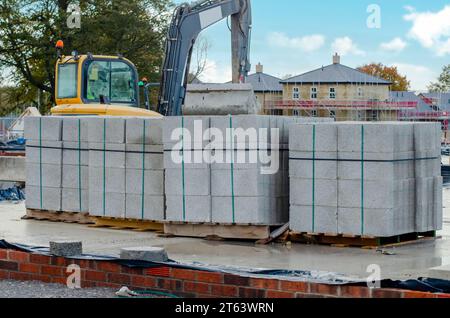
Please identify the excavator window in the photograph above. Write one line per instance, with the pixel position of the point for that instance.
(114, 81)
(67, 80)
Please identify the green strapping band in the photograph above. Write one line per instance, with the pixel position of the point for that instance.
(40, 160)
(104, 167)
(79, 164)
(183, 185)
(314, 180)
(143, 173)
(232, 172)
(362, 180)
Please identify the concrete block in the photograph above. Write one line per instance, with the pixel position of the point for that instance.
(75, 154)
(247, 210)
(348, 170)
(76, 129)
(196, 131)
(49, 177)
(376, 222)
(51, 198)
(153, 207)
(325, 165)
(47, 128)
(147, 254)
(75, 177)
(325, 219)
(114, 180)
(111, 156)
(197, 182)
(72, 202)
(193, 159)
(246, 183)
(66, 248)
(153, 182)
(152, 157)
(438, 204)
(377, 194)
(197, 208)
(114, 204)
(153, 131)
(301, 137)
(48, 152)
(326, 194)
(107, 129)
(378, 137)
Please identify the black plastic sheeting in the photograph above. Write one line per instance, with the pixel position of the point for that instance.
(422, 284)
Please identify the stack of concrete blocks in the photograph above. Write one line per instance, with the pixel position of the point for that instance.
(253, 187)
(360, 178)
(187, 169)
(43, 163)
(106, 137)
(427, 142)
(144, 186)
(75, 160)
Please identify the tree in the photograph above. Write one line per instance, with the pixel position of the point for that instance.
(29, 30)
(443, 83)
(391, 74)
(200, 54)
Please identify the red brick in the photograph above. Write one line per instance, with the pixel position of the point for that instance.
(278, 294)
(169, 284)
(199, 288)
(59, 280)
(416, 294)
(88, 284)
(210, 277)
(119, 278)
(10, 266)
(355, 292)
(41, 278)
(386, 293)
(236, 280)
(323, 289)
(109, 267)
(301, 287)
(86, 264)
(307, 295)
(3, 254)
(4, 274)
(251, 293)
(224, 290)
(442, 295)
(18, 256)
(39, 259)
(162, 271)
(60, 261)
(29, 268)
(108, 285)
(132, 270)
(95, 275)
(19, 276)
(265, 283)
(52, 270)
(184, 274)
(143, 281)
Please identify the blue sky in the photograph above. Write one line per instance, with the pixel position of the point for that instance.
(295, 36)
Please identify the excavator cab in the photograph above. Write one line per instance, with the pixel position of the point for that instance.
(97, 85)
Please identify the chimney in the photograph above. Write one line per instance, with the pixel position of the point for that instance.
(336, 59)
(259, 68)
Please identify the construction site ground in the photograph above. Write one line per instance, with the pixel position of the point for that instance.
(400, 262)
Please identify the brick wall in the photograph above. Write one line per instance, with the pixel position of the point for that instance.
(18, 265)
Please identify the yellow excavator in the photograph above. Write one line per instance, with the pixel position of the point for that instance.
(109, 85)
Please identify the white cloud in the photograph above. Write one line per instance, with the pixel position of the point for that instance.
(396, 45)
(308, 43)
(345, 46)
(214, 73)
(420, 76)
(431, 29)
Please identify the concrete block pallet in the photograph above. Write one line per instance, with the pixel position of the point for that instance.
(365, 179)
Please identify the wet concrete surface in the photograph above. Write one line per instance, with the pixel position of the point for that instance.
(411, 261)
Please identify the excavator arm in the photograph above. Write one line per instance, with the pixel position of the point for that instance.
(187, 22)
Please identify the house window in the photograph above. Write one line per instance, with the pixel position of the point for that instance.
(313, 92)
(332, 93)
(296, 93)
(333, 114)
(296, 113)
(314, 113)
(360, 92)
(374, 116)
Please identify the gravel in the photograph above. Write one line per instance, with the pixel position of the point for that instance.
(18, 289)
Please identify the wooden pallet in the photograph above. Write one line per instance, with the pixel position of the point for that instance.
(218, 231)
(127, 224)
(360, 241)
(54, 216)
